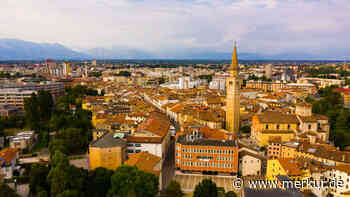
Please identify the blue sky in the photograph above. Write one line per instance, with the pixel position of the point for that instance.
(263, 26)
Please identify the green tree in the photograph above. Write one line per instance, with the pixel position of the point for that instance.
(124, 73)
(42, 194)
(63, 177)
(32, 111)
(99, 182)
(45, 105)
(206, 188)
(230, 194)
(6, 191)
(58, 144)
(37, 183)
(209, 78)
(58, 177)
(173, 189)
(70, 193)
(245, 129)
(129, 181)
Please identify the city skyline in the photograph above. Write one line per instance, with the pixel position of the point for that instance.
(269, 26)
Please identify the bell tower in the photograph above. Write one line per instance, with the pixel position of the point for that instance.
(233, 95)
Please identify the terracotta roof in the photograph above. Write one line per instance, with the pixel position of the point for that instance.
(277, 117)
(306, 104)
(342, 90)
(145, 161)
(308, 118)
(7, 155)
(343, 168)
(156, 123)
(290, 167)
(144, 139)
(277, 131)
(275, 139)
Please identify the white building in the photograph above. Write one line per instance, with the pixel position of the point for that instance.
(218, 84)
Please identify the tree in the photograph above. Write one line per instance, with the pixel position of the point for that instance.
(124, 73)
(32, 111)
(36, 182)
(146, 184)
(129, 181)
(173, 189)
(209, 78)
(69, 193)
(206, 188)
(45, 105)
(245, 129)
(42, 194)
(58, 144)
(73, 139)
(99, 182)
(230, 194)
(58, 177)
(6, 191)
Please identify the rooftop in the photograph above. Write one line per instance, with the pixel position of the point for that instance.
(145, 161)
(108, 140)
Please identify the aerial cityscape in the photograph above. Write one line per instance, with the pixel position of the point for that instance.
(132, 98)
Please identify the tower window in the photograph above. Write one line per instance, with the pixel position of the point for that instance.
(288, 126)
(309, 126)
(267, 126)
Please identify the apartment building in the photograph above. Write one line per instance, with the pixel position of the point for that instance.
(194, 153)
(55, 88)
(15, 97)
(23, 140)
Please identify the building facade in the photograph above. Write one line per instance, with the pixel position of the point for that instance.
(109, 152)
(233, 95)
(193, 153)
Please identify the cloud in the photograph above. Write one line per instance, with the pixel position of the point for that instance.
(271, 26)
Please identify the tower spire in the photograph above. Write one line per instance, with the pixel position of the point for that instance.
(234, 63)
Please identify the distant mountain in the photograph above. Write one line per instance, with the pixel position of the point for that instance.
(119, 53)
(13, 49)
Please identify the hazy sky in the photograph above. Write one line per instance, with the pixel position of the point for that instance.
(269, 26)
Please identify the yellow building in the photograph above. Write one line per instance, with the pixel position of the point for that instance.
(109, 152)
(285, 166)
(289, 150)
(345, 93)
(269, 125)
(233, 95)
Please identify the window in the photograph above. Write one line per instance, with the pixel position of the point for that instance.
(137, 145)
(278, 127)
(309, 126)
(267, 126)
(137, 151)
(288, 126)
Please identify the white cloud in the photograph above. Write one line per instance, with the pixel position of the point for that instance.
(259, 25)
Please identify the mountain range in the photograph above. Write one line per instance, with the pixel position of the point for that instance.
(14, 49)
